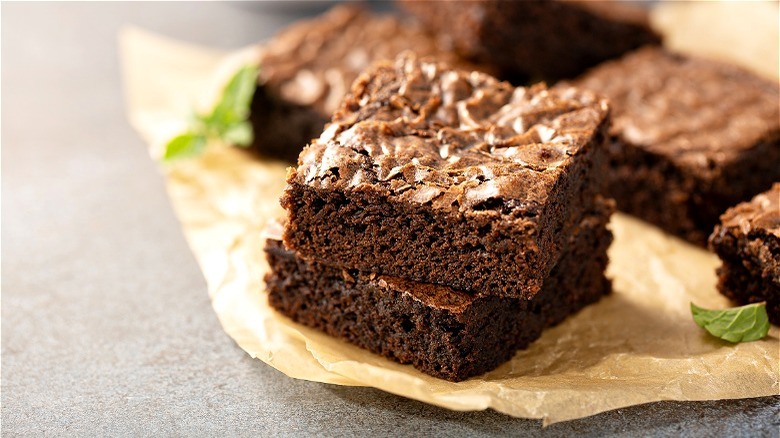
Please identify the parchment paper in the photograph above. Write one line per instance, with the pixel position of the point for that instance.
(636, 346)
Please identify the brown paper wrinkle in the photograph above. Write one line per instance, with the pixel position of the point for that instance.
(635, 346)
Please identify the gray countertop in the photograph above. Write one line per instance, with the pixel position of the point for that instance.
(107, 328)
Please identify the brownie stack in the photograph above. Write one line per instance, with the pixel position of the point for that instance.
(444, 218)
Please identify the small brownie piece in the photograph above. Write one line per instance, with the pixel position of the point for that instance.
(748, 242)
(306, 70)
(547, 39)
(689, 138)
(448, 177)
(441, 331)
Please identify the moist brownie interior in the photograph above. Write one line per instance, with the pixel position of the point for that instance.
(442, 332)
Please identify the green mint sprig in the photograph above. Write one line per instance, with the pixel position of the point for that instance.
(227, 122)
(738, 324)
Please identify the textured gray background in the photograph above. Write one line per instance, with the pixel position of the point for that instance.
(106, 324)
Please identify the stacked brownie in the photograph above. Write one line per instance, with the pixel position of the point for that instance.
(689, 138)
(748, 241)
(306, 70)
(444, 218)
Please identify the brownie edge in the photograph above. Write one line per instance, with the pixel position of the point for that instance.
(748, 242)
(440, 331)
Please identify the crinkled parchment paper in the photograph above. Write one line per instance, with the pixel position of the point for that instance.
(636, 346)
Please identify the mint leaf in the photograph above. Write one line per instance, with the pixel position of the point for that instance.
(227, 121)
(738, 324)
(233, 107)
(239, 134)
(184, 145)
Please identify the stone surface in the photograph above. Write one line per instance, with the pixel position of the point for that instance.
(106, 324)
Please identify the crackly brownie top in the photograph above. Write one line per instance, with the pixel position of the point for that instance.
(698, 112)
(315, 61)
(760, 215)
(420, 131)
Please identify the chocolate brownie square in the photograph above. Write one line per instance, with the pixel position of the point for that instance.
(446, 176)
(748, 241)
(440, 331)
(540, 39)
(689, 138)
(306, 70)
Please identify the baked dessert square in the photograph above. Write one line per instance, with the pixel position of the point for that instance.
(689, 138)
(446, 176)
(537, 38)
(307, 68)
(748, 242)
(443, 332)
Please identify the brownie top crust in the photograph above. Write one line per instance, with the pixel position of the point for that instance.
(314, 62)
(417, 130)
(761, 214)
(700, 113)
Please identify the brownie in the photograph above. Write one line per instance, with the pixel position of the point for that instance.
(446, 176)
(748, 241)
(540, 39)
(306, 70)
(440, 331)
(690, 137)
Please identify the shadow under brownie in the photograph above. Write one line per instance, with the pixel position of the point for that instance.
(448, 177)
(440, 331)
(748, 242)
(689, 137)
